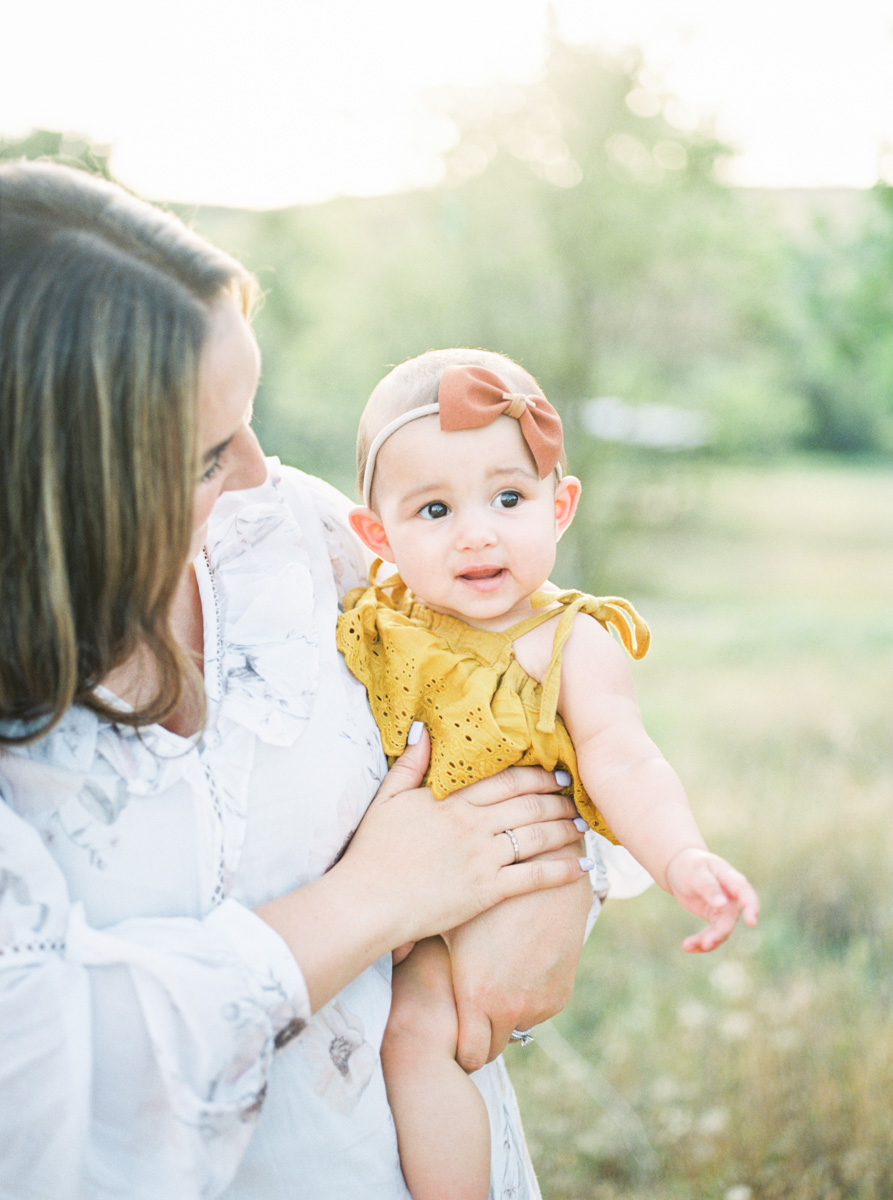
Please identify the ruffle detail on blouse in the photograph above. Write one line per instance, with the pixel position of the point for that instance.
(262, 673)
(267, 665)
(105, 765)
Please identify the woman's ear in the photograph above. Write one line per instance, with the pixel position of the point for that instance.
(567, 497)
(370, 531)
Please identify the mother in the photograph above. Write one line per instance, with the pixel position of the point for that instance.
(194, 972)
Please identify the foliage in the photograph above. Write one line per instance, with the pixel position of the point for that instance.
(580, 231)
(840, 331)
(70, 148)
(761, 1071)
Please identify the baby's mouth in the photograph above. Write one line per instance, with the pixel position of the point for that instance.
(483, 577)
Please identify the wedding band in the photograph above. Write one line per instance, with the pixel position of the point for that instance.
(522, 1036)
(510, 834)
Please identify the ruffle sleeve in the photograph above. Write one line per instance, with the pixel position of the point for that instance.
(133, 1058)
(349, 557)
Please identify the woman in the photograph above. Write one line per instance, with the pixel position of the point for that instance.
(195, 928)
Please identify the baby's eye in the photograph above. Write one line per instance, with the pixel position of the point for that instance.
(434, 510)
(507, 499)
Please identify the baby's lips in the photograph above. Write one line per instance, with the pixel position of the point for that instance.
(482, 573)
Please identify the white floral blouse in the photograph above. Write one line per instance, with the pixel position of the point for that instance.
(155, 1035)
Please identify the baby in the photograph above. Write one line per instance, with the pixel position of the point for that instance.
(460, 459)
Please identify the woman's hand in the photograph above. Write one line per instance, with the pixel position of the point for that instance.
(514, 966)
(434, 864)
(417, 866)
(711, 888)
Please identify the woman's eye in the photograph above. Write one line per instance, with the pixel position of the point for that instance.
(507, 499)
(434, 510)
(209, 473)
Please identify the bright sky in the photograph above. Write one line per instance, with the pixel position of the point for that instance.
(262, 103)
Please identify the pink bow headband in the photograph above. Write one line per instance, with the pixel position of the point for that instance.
(472, 397)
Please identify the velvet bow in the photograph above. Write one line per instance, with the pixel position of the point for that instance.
(471, 397)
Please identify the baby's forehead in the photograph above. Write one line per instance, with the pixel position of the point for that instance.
(424, 446)
(421, 457)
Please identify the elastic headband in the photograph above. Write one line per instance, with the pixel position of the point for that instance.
(470, 398)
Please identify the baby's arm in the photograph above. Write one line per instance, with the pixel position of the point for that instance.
(637, 790)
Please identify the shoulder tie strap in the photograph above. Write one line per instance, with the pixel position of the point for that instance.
(609, 610)
(393, 584)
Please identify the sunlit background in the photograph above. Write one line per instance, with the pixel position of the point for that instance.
(284, 101)
(679, 215)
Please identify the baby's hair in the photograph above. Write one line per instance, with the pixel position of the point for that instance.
(416, 382)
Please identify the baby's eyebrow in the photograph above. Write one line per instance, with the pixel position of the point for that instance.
(518, 469)
(424, 489)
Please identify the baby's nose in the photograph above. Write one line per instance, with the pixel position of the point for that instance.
(475, 533)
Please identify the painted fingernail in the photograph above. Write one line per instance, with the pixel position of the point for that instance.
(562, 778)
(415, 732)
(580, 824)
(586, 864)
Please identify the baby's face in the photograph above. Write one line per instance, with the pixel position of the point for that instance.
(470, 525)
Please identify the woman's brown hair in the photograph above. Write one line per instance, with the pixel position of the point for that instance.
(104, 311)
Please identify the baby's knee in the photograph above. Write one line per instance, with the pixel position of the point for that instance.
(423, 1016)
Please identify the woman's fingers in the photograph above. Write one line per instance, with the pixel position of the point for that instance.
(517, 879)
(514, 781)
(526, 841)
(409, 769)
(475, 1040)
(523, 810)
(429, 865)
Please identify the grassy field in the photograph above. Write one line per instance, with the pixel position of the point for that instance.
(765, 1070)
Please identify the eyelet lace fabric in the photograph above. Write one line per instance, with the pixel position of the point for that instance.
(482, 710)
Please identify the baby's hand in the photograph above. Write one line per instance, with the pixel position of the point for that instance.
(709, 887)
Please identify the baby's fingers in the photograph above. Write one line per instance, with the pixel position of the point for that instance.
(728, 896)
(722, 922)
(737, 888)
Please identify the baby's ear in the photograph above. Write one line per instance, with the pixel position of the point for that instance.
(366, 525)
(567, 497)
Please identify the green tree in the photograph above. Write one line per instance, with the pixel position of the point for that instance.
(840, 331)
(71, 148)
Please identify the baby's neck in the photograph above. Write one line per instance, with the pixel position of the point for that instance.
(501, 621)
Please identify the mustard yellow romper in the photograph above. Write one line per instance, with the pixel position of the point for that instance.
(483, 712)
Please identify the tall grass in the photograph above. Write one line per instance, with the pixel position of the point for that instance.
(764, 1070)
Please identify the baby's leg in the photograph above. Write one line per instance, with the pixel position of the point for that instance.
(443, 1131)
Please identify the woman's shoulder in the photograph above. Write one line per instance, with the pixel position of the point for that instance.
(349, 558)
(291, 505)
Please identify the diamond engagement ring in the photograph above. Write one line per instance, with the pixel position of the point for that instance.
(522, 1036)
(510, 834)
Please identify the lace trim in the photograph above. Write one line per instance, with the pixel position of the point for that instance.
(217, 894)
(218, 635)
(53, 944)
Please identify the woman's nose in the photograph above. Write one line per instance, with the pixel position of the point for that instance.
(248, 467)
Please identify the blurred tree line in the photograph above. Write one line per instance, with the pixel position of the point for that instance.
(581, 231)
